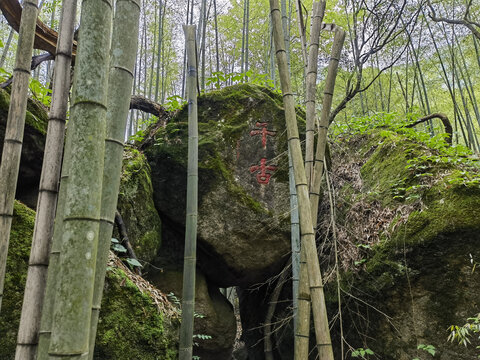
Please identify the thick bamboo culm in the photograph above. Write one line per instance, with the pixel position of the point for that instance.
(188, 293)
(308, 237)
(12, 145)
(81, 217)
(338, 41)
(47, 194)
(122, 64)
(53, 264)
(311, 87)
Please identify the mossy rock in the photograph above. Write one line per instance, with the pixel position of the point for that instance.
(16, 276)
(135, 204)
(32, 149)
(243, 201)
(131, 326)
(215, 317)
(419, 206)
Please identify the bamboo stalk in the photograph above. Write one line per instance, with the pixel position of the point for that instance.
(338, 41)
(304, 301)
(307, 235)
(47, 197)
(295, 239)
(81, 218)
(12, 145)
(45, 331)
(188, 293)
(124, 50)
(311, 86)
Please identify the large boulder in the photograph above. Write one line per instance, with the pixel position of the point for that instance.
(32, 149)
(135, 205)
(136, 320)
(243, 204)
(410, 233)
(214, 315)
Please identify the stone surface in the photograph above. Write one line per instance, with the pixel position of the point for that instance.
(243, 222)
(216, 317)
(135, 204)
(131, 326)
(417, 212)
(32, 149)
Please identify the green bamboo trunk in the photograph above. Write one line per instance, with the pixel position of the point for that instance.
(12, 145)
(81, 217)
(124, 50)
(311, 87)
(47, 198)
(188, 293)
(338, 41)
(306, 228)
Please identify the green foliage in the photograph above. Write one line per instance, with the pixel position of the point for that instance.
(4, 75)
(174, 103)
(428, 348)
(462, 334)
(362, 353)
(40, 92)
(143, 125)
(249, 76)
(120, 249)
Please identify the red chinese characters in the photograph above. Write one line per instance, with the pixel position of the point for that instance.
(263, 171)
(262, 131)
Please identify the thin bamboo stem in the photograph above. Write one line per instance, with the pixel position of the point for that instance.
(12, 145)
(47, 195)
(338, 42)
(188, 293)
(307, 235)
(311, 86)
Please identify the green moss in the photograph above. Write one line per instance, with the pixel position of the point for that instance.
(443, 196)
(36, 115)
(131, 326)
(224, 118)
(135, 203)
(16, 274)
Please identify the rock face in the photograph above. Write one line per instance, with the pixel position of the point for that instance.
(243, 223)
(135, 204)
(414, 211)
(132, 325)
(214, 318)
(32, 149)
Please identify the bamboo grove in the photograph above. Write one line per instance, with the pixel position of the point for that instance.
(341, 59)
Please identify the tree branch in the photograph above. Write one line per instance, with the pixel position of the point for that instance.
(446, 124)
(36, 61)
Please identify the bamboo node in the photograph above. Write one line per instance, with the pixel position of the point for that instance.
(25, 71)
(14, 141)
(62, 53)
(114, 141)
(128, 71)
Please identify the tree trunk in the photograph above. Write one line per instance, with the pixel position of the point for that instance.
(12, 146)
(48, 190)
(188, 293)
